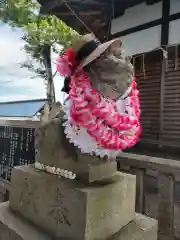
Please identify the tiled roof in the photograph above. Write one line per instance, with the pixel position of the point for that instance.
(27, 108)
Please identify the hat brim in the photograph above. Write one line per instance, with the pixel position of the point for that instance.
(98, 51)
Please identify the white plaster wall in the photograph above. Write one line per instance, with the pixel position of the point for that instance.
(175, 6)
(137, 15)
(174, 32)
(142, 41)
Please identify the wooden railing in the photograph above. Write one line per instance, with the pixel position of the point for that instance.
(168, 174)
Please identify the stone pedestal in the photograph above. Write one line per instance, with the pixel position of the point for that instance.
(71, 210)
(12, 227)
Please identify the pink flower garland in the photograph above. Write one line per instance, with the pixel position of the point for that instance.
(98, 115)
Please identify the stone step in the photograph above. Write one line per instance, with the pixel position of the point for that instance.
(72, 210)
(141, 228)
(12, 227)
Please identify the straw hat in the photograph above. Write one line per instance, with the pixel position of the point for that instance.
(88, 48)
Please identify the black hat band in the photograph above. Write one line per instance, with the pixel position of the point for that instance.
(84, 52)
(87, 49)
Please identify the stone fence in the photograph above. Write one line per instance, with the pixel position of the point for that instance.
(168, 173)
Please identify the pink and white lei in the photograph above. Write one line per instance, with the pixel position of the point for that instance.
(97, 125)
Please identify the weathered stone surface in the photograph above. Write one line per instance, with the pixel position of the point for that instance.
(14, 228)
(141, 228)
(55, 150)
(4, 191)
(71, 210)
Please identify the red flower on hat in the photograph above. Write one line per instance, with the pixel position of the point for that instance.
(67, 64)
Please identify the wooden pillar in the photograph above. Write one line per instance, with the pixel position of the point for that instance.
(162, 102)
(165, 22)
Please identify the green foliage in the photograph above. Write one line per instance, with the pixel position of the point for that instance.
(41, 33)
(19, 12)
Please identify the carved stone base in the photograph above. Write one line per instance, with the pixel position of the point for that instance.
(71, 210)
(12, 227)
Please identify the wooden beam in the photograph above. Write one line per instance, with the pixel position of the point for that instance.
(98, 23)
(174, 16)
(161, 110)
(82, 13)
(94, 2)
(19, 123)
(167, 166)
(90, 13)
(58, 14)
(137, 28)
(50, 5)
(165, 22)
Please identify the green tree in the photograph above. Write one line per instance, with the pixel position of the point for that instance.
(41, 35)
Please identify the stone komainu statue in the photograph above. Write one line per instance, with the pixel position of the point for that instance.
(80, 140)
(101, 115)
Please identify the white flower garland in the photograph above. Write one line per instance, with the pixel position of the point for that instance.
(55, 171)
(80, 137)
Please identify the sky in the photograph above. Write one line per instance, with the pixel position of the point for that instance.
(16, 82)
